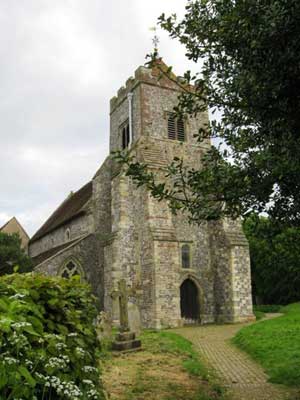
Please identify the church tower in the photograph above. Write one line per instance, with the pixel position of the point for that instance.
(178, 272)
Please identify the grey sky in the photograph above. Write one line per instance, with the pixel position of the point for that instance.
(61, 62)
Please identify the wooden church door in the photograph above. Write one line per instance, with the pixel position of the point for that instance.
(189, 300)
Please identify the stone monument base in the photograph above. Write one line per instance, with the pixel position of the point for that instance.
(126, 341)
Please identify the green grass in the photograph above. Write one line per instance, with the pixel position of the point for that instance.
(169, 342)
(162, 350)
(276, 345)
(258, 314)
(268, 308)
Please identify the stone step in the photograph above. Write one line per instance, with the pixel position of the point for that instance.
(125, 336)
(126, 345)
(116, 354)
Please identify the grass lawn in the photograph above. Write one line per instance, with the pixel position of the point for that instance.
(276, 345)
(258, 314)
(168, 368)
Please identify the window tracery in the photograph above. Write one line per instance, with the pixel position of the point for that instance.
(71, 269)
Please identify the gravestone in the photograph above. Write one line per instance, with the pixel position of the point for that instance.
(125, 339)
(103, 325)
(134, 316)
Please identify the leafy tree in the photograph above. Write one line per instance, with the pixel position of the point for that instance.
(12, 255)
(249, 52)
(275, 260)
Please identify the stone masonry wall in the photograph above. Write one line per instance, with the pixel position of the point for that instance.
(84, 253)
(240, 270)
(158, 102)
(79, 227)
(230, 255)
(134, 237)
(201, 271)
(145, 246)
(120, 114)
(102, 200)
(102, 218)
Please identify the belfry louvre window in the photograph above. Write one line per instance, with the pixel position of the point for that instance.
(125, 135)
(176, 129)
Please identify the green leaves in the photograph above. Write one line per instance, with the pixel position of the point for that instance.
(43, 323)
(3, 378)
(275, 255)
(250, 57)
(27, 375)
(12, 256)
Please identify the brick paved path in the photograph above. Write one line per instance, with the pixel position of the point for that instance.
(244, 378)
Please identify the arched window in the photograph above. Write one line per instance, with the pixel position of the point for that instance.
(70, 269)
(176, 129)
(185, 256)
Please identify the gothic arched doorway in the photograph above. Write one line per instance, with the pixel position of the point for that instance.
(189, 301)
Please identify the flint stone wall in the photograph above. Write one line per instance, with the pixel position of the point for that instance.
(85, 254)
(78, 227)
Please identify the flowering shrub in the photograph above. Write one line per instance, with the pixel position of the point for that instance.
(48, 344)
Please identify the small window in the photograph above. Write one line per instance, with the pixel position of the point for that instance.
(125, 135)
(70, 269)
(176, 129)
(67, 234)
(185, 256)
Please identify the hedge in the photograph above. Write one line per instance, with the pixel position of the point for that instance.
(48, 344)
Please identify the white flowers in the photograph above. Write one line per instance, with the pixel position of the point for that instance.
(80, 352)
(18, 339)
(57, 363)
(66, 359)
(53, 336)
(69, 389)
(88, 382)
(73, 334)
(18, 325)
(89, 368)
(29, 364)
(17, 296)
(60, 346)
(10, 360)
(93, 394)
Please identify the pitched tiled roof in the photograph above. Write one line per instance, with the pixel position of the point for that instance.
(70, 208)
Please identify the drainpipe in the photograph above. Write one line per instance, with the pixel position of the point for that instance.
(129, 97)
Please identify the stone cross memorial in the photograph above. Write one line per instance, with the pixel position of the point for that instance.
(122, 294)
(125, 340)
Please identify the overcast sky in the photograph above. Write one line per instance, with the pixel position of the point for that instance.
(61, 62)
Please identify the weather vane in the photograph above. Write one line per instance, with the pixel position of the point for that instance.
(155, 39)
